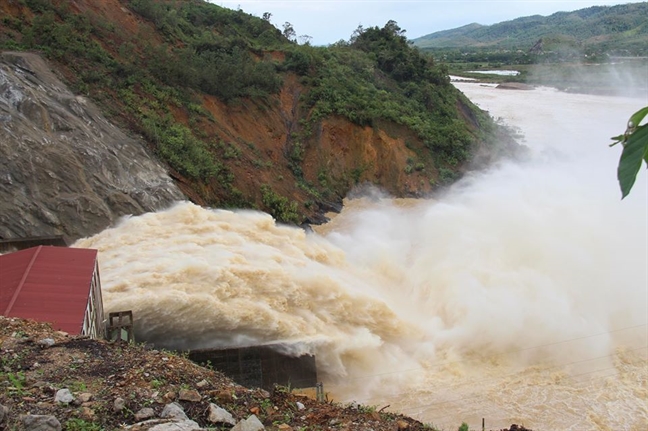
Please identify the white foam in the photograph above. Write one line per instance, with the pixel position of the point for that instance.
(519, 296)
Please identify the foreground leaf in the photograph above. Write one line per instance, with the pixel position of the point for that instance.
(635, 150)
(637, 117)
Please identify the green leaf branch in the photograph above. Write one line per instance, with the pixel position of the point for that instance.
(635, 150)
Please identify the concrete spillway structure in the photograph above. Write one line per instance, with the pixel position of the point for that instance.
(260, 366)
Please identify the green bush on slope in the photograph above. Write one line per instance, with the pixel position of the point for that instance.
(190, 48)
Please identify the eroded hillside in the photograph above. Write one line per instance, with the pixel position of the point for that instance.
(244, 117)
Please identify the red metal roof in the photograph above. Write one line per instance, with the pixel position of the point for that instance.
(47, 284)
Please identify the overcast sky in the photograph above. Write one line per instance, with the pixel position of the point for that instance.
(328, 21)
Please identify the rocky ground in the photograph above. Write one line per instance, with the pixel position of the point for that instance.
(52, 381)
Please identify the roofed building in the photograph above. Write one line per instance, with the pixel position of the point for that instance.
(58, 285)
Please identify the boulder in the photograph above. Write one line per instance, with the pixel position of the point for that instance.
(46, 342)
(4, 413)
(84, 397)
(187, 425)
(189, 395)
(250, 424)
(63, 396)
(164, 425)
(119, 404)
(220, 415)
(144, 414)
(40, 423)
(174, 411)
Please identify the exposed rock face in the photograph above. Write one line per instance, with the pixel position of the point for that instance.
(65, 169)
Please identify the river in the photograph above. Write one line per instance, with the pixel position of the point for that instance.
(519, 295)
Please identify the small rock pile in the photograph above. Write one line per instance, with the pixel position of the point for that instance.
(51, 381)
(172, 418)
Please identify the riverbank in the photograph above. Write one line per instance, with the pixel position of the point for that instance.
(623, 77)
(54, 381)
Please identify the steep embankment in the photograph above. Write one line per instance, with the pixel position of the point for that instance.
(65, 169)
(243, 116)
(52, 381)
(73, 383)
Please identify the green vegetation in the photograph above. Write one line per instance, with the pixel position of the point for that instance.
(75, 386)
(156, 76)
(635, 150)
(579, 51)
(76, 424)
(156, 384)
(18, 382)
(616, 30)
(180, 148)
(377, 76)
(204, 48)
(611, 41)
(12, 380)
(280, 207)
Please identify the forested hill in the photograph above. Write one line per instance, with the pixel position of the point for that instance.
(245, 116)
(622, 29)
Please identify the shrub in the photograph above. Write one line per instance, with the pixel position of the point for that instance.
(184, 152)
(279, 206)
(76, 424)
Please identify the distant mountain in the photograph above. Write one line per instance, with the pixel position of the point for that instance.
(622, 28)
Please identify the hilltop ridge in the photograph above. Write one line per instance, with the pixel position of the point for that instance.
(620, 29)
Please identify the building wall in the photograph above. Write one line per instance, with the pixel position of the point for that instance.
(94, 324)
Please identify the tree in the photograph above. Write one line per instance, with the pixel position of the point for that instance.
(394, 55)
(393, 28)
(635, 150)
(305, 39)
(266, 16)
(356, 33)
(289, 32)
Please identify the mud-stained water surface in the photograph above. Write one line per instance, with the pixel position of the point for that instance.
(519, 295)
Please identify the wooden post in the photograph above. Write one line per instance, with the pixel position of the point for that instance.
(123, 328)
(483, 424)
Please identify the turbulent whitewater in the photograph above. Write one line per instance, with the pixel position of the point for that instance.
(519, 295)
